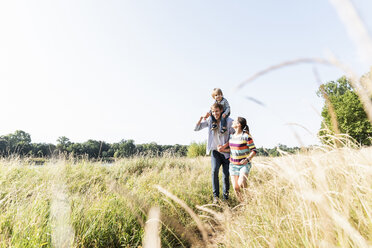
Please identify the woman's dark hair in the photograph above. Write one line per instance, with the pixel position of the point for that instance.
(243, 122)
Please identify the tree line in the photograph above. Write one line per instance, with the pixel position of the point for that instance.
(277, 151)
(19, 144)
(342, 113)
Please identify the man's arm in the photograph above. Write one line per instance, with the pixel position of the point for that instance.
(224, 148)
(200, 125)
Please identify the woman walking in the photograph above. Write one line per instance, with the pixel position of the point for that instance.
(242, 150)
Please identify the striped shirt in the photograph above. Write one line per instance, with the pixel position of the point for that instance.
(240, 147)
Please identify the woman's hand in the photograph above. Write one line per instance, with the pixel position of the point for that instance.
(244, 161)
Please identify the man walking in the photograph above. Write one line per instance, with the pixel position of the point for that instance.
(215, 138)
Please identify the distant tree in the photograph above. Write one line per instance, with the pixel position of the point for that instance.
(3, 146)
(75, 149)
(16, 143)
(140, 149)
(274, 152)
(152, 149)
(92, 148)
(182, 151)
(173, 150)
(42, 149)
(262, 152)
(196, 149)
(63, 143)
(104, 150)
(125, 148)
(179, 150)
(349, 112)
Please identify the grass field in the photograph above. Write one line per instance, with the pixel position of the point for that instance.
(321, 198)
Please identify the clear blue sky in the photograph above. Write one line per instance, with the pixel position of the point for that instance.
(144, 70)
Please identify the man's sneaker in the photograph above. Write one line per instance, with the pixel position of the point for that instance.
(225, 197)
(215, 200)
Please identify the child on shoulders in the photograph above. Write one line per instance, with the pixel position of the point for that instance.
(217, 95)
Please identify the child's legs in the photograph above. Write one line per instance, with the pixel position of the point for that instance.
(224, 122)
(213, 119)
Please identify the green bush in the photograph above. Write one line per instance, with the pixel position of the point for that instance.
(196, 149)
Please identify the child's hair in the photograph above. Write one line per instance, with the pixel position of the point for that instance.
(216, 91)
(243, 123)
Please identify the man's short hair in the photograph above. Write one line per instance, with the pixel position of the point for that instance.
(217, 105)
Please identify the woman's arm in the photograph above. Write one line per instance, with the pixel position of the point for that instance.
(249, 157)
(226, 145)
(252, 148)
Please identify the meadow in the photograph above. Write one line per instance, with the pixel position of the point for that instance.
(318, 198)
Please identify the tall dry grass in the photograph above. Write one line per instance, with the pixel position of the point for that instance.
(319, 199)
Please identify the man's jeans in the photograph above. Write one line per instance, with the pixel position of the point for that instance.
(218, 159)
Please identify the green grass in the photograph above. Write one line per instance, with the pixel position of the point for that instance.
(24, 205)
(304, 200)
(108, 204)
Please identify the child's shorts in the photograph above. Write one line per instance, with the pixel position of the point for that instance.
(236, 170)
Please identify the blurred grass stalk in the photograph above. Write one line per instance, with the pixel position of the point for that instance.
(355, 28)
(152, 229)
(358, 33)
(60, 210)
